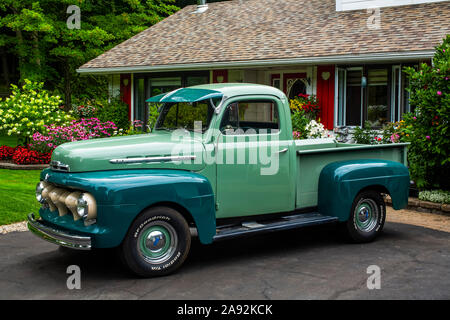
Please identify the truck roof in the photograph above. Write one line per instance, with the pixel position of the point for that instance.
(237, 89)
(216, 90)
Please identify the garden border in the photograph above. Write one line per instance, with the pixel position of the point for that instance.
(424, 206)
(13, 166)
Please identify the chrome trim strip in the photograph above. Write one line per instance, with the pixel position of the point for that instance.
(58, 237)
(152, 159)
(59, 166)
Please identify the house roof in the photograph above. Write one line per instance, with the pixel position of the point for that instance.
(243, 31)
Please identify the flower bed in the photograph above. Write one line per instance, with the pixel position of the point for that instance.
(23, 156)
(84, 129)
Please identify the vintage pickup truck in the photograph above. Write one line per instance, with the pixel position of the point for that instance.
(220, 163)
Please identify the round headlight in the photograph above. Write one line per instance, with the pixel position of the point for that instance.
(82, 206)
(39, 188)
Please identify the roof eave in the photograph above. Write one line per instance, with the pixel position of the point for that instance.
(336, 59)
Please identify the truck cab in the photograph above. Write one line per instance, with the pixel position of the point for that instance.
(221, 160)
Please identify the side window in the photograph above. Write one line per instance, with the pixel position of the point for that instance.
(254, 115)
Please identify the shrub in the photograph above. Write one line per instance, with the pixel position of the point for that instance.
(299, 123)
(366, 135)
(306, 103)
(439, 196)
(77, 130)
(428, 126)
(115, 111)
(29, 109)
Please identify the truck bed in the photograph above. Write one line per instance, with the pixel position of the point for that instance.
(314, 154)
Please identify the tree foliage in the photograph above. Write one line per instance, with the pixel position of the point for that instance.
(37, 33)
(428, 127)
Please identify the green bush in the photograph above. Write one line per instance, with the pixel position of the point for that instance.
(366, 135)
(428, 127)
(116, 111)
(29, 109)
(438, 196)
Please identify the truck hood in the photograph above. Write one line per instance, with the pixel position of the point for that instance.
(157, 150)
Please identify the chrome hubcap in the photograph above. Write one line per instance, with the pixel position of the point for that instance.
(366, 215)
(155, 241)
(363, 214)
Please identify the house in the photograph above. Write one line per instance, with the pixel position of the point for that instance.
(350, 53)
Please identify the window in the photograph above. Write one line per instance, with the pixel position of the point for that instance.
(149, 85)
(185, 115)
(371, 94)
(253, 115)
(377, 97)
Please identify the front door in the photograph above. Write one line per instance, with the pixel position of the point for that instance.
(294, 84)
(252, 160)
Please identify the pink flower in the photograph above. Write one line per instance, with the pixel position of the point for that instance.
(439, 93)
(428, 137)
(414, 118)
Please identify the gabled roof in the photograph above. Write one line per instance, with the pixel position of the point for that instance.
(242, 31)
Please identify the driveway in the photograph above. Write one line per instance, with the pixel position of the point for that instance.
(308, 263)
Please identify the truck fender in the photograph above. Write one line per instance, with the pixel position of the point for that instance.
(340, 182)
(122, 195)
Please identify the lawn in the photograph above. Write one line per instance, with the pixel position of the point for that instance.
(17, 197)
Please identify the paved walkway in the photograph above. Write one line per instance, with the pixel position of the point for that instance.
(426, 220)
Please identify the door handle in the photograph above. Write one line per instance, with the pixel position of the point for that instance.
(283, 150)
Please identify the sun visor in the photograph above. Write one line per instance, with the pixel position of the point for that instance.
(186, 95)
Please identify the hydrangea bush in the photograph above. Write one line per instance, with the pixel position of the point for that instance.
(30, 109)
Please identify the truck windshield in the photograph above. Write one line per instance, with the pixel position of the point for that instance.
(183, 115)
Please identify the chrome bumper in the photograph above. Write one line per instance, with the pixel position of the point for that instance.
(56, 236)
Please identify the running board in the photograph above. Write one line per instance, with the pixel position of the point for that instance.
(283, 223)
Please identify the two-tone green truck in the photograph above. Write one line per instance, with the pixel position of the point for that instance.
(220, 162)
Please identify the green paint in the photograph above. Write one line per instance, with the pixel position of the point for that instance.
(328, 175)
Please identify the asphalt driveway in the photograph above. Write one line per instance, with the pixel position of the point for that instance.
(308, 263)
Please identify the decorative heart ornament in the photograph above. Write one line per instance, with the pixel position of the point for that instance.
(325, 75)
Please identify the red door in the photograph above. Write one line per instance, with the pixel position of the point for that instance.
(125, 91)
(325, 95)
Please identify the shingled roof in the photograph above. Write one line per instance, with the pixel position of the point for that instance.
(264, 30)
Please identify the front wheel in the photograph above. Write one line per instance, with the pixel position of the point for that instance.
(157, 242)
(366, 218)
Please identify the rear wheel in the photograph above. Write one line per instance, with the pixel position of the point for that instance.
(366, 218)
(157, 242)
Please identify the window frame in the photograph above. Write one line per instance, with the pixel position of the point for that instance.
(275, 102)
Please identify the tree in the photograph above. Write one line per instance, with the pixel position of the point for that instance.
(47, 50)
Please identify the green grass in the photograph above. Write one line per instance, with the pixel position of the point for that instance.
(17, 197)
(8, 141)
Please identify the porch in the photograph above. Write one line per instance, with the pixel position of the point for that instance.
(349, 94)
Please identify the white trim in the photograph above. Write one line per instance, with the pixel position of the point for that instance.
(132, 98)
(347, 5)
(361, 58)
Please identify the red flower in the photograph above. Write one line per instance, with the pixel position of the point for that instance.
(6, 152)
